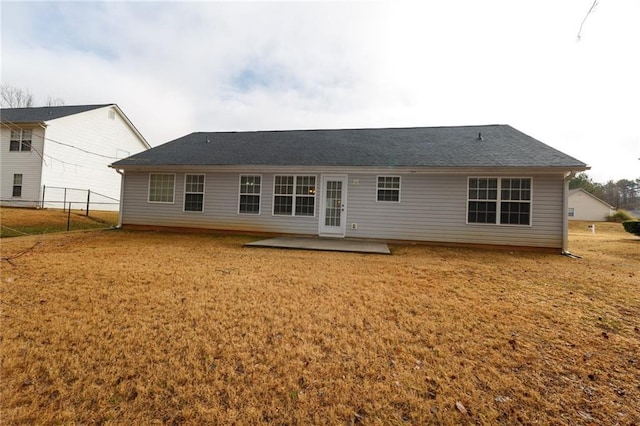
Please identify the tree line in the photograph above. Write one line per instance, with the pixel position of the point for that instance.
(622, 194)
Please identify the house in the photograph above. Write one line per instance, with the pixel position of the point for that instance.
(586, 206)
(52, 155)
(483, 185)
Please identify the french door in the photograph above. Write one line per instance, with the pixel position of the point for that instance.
(333, 206)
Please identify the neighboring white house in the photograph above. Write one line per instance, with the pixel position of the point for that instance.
(45, 150)
(586, 206)
(460, 185)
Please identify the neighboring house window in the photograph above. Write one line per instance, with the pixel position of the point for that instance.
(250, 190)
(388, 188)
(17, 185)
(294, 195)
(194, 193)
(161, 187)
(20, 140)
(504, 201)
(572, 212)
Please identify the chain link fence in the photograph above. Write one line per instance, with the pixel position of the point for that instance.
(64, 198)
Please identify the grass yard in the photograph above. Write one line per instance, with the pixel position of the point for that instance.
(125, 327)
(16, 222)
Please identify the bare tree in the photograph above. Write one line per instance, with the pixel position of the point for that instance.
(12, 97)
(54, 101)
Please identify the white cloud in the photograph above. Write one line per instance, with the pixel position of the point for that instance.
(175, 68)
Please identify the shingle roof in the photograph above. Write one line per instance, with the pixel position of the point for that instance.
(500, 146)
(41, 114)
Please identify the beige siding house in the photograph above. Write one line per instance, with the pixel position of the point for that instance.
(472, 185)
(45, 150)
(586, 206)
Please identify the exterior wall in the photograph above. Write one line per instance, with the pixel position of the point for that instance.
(220, 206)
(432, 208)
(96, 131)
(27, 163)
(585, 207)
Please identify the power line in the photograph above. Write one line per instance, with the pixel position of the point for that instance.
(81, 149)
(31, 147)
(14, 126)
(595, 3)
(17, 127)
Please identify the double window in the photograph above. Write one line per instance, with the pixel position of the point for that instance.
(161, 187)
(388, 188)
(194, 193)
(294, 195)
(250, 191)
(20, 140)
(17, 185)
(503, 201)
(162, 190)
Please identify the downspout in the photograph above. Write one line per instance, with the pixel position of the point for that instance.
(121, 173)
(42, 164)
(565, 213)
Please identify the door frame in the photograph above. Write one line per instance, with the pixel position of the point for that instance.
(322, 230)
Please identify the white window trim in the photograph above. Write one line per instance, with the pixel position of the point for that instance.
(21, 185)
(149, 189)
(499, 200)
(21, 140)
(399, 189)
(293, 206)
(259, 194)
(184, 198)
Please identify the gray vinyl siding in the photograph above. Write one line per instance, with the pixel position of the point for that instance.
(220, 206)
(432, 208)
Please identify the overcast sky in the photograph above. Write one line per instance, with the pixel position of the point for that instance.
(175, 68)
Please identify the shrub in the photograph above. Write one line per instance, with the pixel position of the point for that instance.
(632, 226)
(620, 216)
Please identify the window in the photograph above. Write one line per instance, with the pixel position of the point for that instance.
(194, 193)
(389, 188)
(572, 212)
(294, 195)
(17, 185)
(483, 194)
(250, 190)
(505, 201)
(515, 206)
(20, 140)
(161, 188)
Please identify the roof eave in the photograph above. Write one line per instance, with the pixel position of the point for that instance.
(8, 124)
(371, 169)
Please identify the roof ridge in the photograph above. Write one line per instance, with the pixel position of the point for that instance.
(351, 129)
(61, 106)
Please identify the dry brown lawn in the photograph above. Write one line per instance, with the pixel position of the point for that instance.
(15, 222)
(124, 327)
